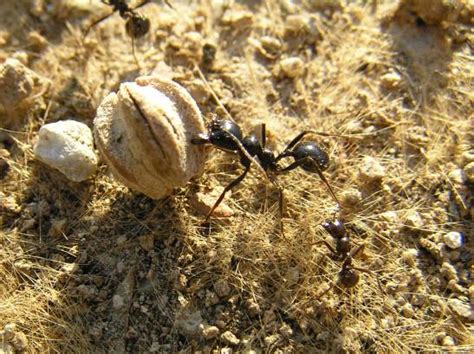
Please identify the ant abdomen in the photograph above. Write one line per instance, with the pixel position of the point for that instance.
(137, 26)
(314, 154)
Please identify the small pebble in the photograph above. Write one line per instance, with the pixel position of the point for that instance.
(467, 157)
(121, 239)
(237, 19)
(58, 227)
(230, 338)
(456, 176)
(285, 331)
(67, 146)
(17, 83)
(147, 242)
(37, 41)
(448, 341)
(407, 310)
(189, 324)
(453, 239)
(292, 67)
(469, 172)
(448, 271)
(391, 80)
(209, 332)
(117, 302)
(409, 256)
(203, 202)
(222, 288)
(390, 216)
(272, 339)
(351, 198)
(371, 170)
(413, 219)
(271, 44)
(297, 24)
(253, 309)
(461, 309)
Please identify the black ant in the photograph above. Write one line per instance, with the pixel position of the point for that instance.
(343, 242)
(227, 136)
(136, 25)
(348, 276)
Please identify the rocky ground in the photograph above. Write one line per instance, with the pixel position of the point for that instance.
(94, 267)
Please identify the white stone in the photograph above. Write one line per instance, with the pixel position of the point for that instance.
(469, 172)
(117, 301)
(453, 239)
(292, 67)
(68, 147)
(391, 80)
(371, 170)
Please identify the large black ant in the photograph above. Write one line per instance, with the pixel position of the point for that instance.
(227, 136)
(348, 276)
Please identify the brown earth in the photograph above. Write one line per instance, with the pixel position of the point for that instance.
(95, 267)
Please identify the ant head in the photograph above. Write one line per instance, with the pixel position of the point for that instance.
(223, 134)
(137, 26)
(335, 229)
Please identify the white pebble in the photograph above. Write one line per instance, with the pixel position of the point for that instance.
(292, 67)
(469, 171)
(391, 80)
(453, 239)
(230, 338)
(117, 301)
(413, 219)
(68, 147)
(448, 341)
(409, 256)
(371, 170)
(17, 83)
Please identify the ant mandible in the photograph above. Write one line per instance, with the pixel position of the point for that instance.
(227, 136)
(348, 276)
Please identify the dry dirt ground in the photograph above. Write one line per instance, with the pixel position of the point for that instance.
(95, 267)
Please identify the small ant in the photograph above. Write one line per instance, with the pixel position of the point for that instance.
(338, 232)
(136, 25)
(227, 136)
(348, 277)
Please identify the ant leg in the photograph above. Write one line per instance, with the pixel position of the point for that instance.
(325, 292)
(298, 163)
(281, 203)
(328, 246)
(263, 136)
(134, 53)
(95, 23)
(226, 189)
(356, 250)
(290, 145)
(374, 274)
(168, 3)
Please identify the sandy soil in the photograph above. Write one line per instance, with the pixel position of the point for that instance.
(96, 267)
